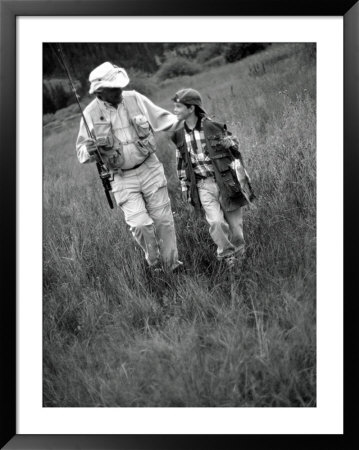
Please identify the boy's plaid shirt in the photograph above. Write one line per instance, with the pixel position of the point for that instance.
(196, 145)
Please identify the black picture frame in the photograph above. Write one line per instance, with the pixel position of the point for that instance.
(10, 9)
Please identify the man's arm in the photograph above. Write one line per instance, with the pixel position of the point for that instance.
(83, 144)
(159, 118)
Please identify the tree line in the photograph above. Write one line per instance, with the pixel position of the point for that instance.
(163, 60)
(83, 57)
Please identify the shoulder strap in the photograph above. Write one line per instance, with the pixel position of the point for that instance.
(179, 137)
(212, 128)
(131, 103)
(91, 111)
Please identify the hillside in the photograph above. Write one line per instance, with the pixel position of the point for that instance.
(114, 337)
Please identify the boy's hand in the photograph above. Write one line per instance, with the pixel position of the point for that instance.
(187, 202)
(185, 196)
(229, 141)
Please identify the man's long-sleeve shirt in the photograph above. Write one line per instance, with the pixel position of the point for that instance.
(122, 128)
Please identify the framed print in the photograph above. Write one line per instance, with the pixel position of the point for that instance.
(106, 347)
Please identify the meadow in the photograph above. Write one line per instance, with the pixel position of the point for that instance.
(116, 336)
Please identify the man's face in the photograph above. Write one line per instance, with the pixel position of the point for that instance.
(181, 111)
(111, 95)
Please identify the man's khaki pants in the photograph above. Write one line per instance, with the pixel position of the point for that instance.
(225, 228)
(143, 197)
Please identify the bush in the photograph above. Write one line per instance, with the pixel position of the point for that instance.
(47, 118)
(176, 67)
(235, 52)
(211, 51)
(184, 50)
(142, 83)
(215, 62)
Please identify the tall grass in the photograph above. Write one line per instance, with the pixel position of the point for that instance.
(115, 335)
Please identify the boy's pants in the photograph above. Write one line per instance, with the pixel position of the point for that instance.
(225, 228)
(143, 197)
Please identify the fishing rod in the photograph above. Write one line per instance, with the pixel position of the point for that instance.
(104, 173)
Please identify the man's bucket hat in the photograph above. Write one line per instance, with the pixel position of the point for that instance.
(107, 75)
(189, 97)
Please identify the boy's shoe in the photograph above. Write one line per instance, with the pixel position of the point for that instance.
(234, 262)
(240, 251)
(230, 261)
(154, 268)
(157, 268)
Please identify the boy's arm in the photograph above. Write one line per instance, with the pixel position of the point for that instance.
(181, 173)
(231, 142)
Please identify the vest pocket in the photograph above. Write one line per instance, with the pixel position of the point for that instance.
(220, 156)
(141, 126)
(114, 159)
(231, 183)
(222, 163)
(146, 143)
(103, 134)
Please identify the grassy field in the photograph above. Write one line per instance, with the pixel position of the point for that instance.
(114, 336)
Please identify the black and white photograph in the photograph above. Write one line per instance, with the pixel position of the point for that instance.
(179, 224)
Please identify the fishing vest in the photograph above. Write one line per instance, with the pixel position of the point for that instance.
(234, 184)
(112, 146)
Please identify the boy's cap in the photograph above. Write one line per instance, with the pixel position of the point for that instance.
(107, 75)
(189, 97)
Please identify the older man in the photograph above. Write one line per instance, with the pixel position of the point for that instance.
(122, 126)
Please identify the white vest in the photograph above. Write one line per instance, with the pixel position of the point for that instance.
(101, 128)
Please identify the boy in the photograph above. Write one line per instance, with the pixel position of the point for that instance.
(207, 158)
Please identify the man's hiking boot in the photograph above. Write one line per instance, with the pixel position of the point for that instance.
(178, 268)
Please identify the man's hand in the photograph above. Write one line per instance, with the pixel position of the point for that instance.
(91, 147)
(93, 144)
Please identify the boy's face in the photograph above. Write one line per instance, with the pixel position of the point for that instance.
(181, 111)
(111, 95)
